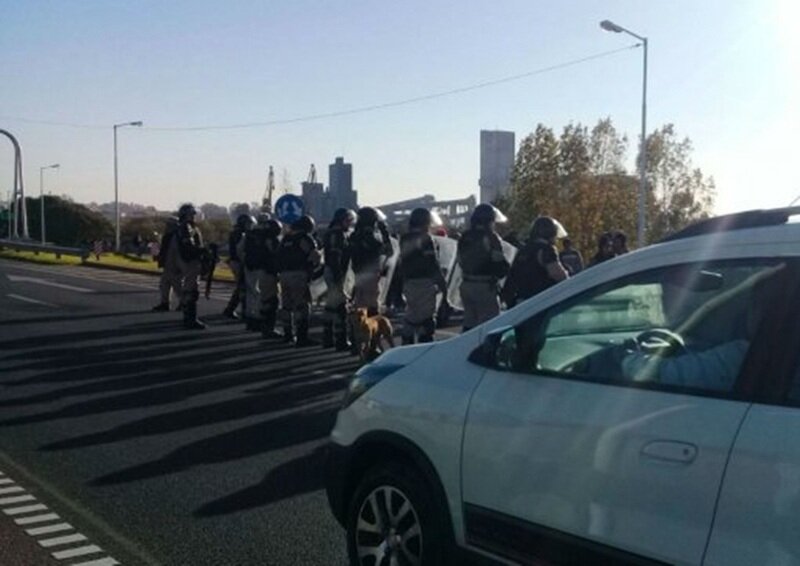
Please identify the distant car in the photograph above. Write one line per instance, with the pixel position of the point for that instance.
(646, 411)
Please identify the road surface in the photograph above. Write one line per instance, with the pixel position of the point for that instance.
(151, 444)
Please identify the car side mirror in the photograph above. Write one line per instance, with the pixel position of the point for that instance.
(486, 354)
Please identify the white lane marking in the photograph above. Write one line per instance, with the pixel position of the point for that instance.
(15, 500)
(9, 490)
(37, 519)
(6, 481)
(99, 562)
(75, 552)
(25, 509)
(58, 541)
(27, 300)
(38, 281)
(57, 528)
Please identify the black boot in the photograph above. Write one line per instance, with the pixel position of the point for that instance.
(268, 331)
(230, 313)
(327, 334)
(409, 340)
(190, 320)
(161, 307)
(427, 332)
(302, 335)
(288, 335)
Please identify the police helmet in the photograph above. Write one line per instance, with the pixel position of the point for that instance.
(485, 214)
(244, 221)
(368, 216)
(187, 210)
(262, 219)
(547, 228)
(273, 227)
(343, 217)
(424, 218)
(304, 224)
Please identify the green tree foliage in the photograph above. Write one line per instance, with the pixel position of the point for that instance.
(67, 223)
(580, 178)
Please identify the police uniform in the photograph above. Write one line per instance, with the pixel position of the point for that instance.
(480, 255)
(336, 247)
(528, 275)
(168, 261)
(234, 261)
(259, 257)
(190, 252)
(368, 244)
(422, 280)
(298, 256)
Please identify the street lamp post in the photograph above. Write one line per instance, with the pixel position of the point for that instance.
(116, 184)
(640, 226)
(41, 194)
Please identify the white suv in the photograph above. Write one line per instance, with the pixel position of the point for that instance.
(646, 411)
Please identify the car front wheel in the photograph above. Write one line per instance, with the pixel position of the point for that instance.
(393, 521)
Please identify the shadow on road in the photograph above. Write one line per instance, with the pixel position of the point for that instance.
(295, 477)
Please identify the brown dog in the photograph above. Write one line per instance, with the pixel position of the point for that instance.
(368, 331)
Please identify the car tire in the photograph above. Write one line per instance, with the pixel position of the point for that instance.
(393, 512)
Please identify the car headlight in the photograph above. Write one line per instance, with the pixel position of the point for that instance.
(365, 379)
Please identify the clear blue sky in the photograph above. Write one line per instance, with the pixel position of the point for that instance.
(726, 73)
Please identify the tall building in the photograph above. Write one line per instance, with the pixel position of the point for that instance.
(340, 185)
(497, 163)
(321, 203)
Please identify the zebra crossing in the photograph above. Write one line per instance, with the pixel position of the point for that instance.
(47, 528)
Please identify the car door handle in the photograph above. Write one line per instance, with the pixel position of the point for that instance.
(670, 451)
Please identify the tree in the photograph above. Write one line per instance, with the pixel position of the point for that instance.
(580, 179)
(680, 193)
(67, 223)
(211, 210)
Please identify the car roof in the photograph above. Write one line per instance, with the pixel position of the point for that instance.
(737, 221)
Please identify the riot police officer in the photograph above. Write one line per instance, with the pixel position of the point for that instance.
(480, 255)
(421, 275)
(369, 243)
(260, 257)
(243, 223)
(298, 257)
(536, 267)
(336, 247)
(171, 272)
(191, 251)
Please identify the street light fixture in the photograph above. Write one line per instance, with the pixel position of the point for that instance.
(640, 226)
(41, 194)
(116, 183)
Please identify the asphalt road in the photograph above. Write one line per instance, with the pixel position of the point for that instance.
(162, 446)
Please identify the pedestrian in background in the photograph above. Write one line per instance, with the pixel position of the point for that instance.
(190, 251)
(605, 249)
(243, 223)
(369, 244)
(570, 258)
(336, 246)
(298, 257)
(620, 242)
(421, 275)
(169, 261)
(536, 266)
(483, 263)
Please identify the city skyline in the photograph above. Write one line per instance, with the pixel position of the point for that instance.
(724, 75)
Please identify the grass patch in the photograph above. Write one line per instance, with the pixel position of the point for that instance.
(121, 261)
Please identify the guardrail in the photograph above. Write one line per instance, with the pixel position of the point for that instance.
(37, 247)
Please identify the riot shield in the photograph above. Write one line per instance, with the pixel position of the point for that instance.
(454, 284)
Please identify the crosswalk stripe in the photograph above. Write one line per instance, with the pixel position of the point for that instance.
(60, 527)
(8, 490)
(6, 481)
(58, 541)
(25, 509)
(37, 519)
(18, 499)
(75, 552)
(108, 561)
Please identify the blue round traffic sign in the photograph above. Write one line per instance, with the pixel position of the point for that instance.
(289, 209)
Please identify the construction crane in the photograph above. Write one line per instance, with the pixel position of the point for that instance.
(312, 174)
(266, 201)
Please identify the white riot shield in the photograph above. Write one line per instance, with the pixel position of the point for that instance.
(447, 248)
(389, 265)
(454, 284)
